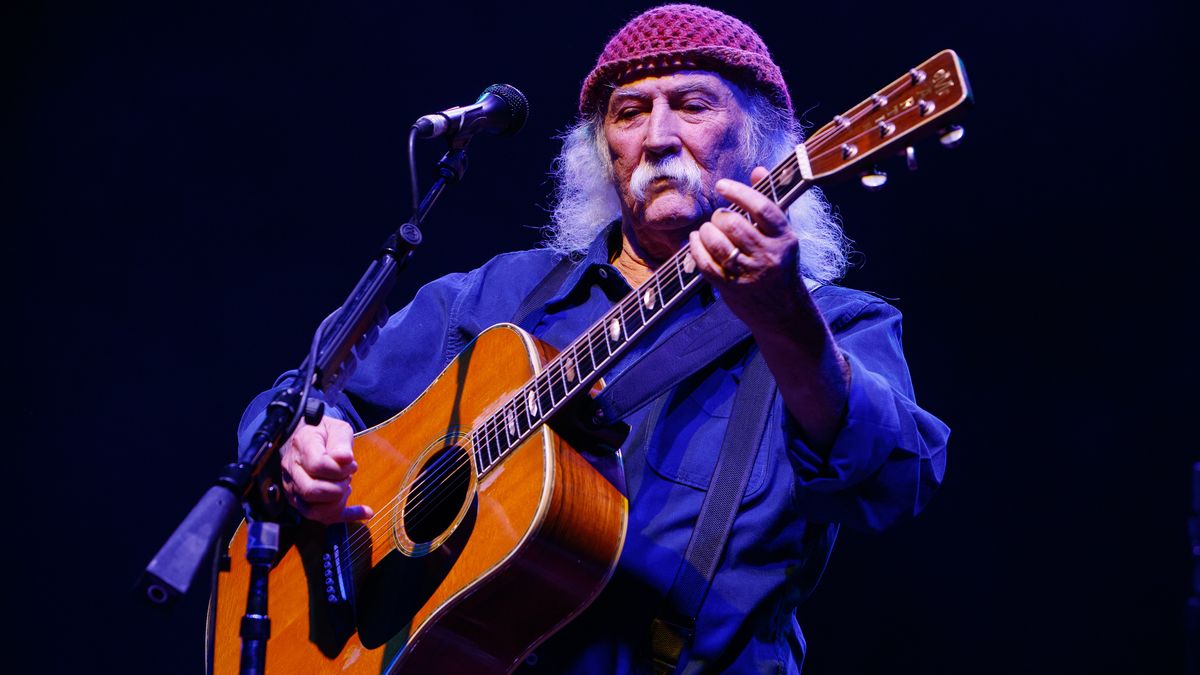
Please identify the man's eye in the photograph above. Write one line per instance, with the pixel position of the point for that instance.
(694, 106)
(627, 113)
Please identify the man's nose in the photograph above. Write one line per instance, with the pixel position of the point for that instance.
(662, 132)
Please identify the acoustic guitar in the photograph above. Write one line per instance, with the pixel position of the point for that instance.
(490, 531)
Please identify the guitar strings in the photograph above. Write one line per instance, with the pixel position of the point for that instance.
(433, 485)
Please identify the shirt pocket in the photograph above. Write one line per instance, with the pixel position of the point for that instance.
(685, 445)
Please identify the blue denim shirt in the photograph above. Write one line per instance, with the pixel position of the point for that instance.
(888, 458)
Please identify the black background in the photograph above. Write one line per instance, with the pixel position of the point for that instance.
(193, 186)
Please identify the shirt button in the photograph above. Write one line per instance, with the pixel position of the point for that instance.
(602, 272)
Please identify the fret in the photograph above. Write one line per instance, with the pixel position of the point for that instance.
(635, 320)
(544, 384)
(479, 445)
(600, 341)
(518, 418)
(579, 372)
(512, 430)
(671, 281)
(484, 445)
(476, 457)
(637, 297)
(556, 382)
(568, 372)
(544, 397)
(591, 352)
(680, 266)
(492, 446)
(499, 440)
(629, 321)
(643, 318)
(528, 402)
(786, 177)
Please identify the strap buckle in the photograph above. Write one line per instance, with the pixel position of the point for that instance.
(667, 640)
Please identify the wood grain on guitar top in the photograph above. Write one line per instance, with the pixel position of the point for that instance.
(542, 524)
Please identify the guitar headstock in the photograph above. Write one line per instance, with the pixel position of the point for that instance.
(924, 101)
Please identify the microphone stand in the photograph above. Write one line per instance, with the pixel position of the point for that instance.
(251, 484)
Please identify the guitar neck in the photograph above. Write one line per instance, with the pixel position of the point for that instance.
(913, 105)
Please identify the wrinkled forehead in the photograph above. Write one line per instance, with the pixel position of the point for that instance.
(677, 83)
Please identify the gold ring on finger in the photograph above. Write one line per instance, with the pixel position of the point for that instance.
(730, 265)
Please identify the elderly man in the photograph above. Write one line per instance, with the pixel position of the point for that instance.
(682, 108)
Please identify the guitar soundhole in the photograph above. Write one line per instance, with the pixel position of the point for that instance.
(437, 496)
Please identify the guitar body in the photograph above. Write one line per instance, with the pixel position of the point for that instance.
(456, 572)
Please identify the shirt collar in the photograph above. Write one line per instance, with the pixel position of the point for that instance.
(592, 267)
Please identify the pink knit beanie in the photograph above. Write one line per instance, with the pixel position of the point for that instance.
(672, 37)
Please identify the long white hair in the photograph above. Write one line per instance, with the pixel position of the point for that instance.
(585, 199)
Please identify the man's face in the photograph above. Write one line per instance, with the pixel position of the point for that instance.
(670, 121)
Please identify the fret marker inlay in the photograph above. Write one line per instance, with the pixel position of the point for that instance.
(614, 330)
(648, 299)
(531, 402)
(569, 366)
(689, 263)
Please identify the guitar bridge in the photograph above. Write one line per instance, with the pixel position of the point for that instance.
(331, 601)
(335, 568)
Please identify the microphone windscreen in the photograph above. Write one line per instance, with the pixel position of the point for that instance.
(517, 103)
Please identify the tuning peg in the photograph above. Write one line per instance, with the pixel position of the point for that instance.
(873, 180)
(951, 137)
(910, 158)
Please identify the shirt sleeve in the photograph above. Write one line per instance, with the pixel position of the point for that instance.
(412, 348)
(889, 455)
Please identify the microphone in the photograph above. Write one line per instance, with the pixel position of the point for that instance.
(501, 109)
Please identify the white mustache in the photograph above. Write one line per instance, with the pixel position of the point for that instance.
(678, 167)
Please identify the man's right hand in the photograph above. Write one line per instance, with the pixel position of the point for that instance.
(317, 465)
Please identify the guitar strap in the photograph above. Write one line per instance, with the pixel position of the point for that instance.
(671, 631)
(541, 294)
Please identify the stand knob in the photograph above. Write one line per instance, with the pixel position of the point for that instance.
(314, 410)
